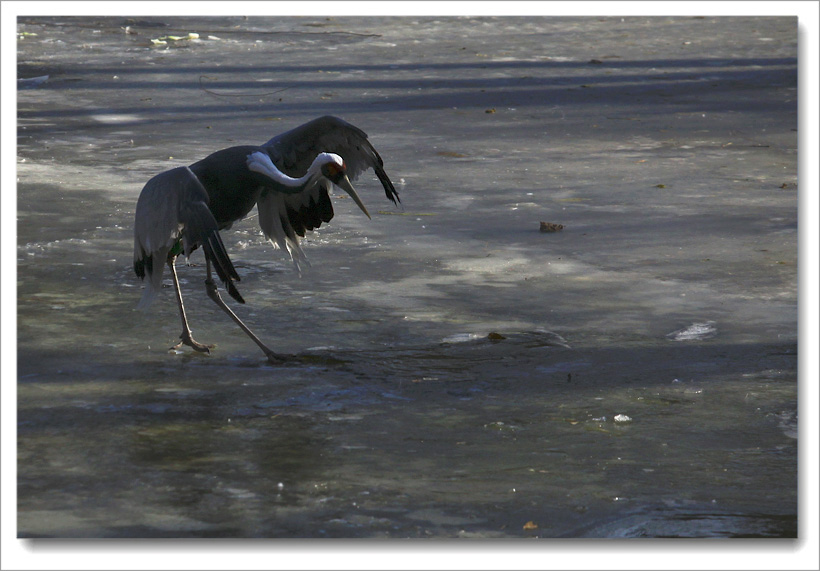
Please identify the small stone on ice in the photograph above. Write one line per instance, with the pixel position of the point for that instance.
(551, 227)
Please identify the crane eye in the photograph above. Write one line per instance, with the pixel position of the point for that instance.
(330, 170)
(333, 171)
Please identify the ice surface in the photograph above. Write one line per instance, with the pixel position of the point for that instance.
(666, 147)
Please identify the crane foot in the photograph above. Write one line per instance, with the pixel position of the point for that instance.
(187, 339)
(275, 358)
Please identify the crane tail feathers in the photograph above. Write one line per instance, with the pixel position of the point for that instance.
(216, 254)
(233, 292)
(149, 294)
(152, 275)
(173, 207)
(219, 256)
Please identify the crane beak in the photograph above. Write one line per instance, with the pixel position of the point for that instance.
(344, 184)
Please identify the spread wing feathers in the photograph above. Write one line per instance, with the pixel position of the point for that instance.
(284, 218)
(173, 207)
(293, 151)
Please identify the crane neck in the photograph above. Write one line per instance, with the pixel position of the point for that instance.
(260, 162)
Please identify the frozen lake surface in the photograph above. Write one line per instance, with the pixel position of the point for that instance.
(459, 372)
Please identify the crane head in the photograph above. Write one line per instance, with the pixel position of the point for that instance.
(333, 169)
(333, 166)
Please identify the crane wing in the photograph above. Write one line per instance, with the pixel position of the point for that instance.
(286, 217)
(293, 151)
(173, 206)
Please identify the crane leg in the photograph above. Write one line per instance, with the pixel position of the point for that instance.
(213, 293)
(186, 337)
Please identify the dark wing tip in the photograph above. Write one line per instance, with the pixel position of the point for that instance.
(378, 166)
(389, 190)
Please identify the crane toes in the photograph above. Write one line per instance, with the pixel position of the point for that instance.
(187, 339)
(275, 358)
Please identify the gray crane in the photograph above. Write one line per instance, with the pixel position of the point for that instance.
(288, 179)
